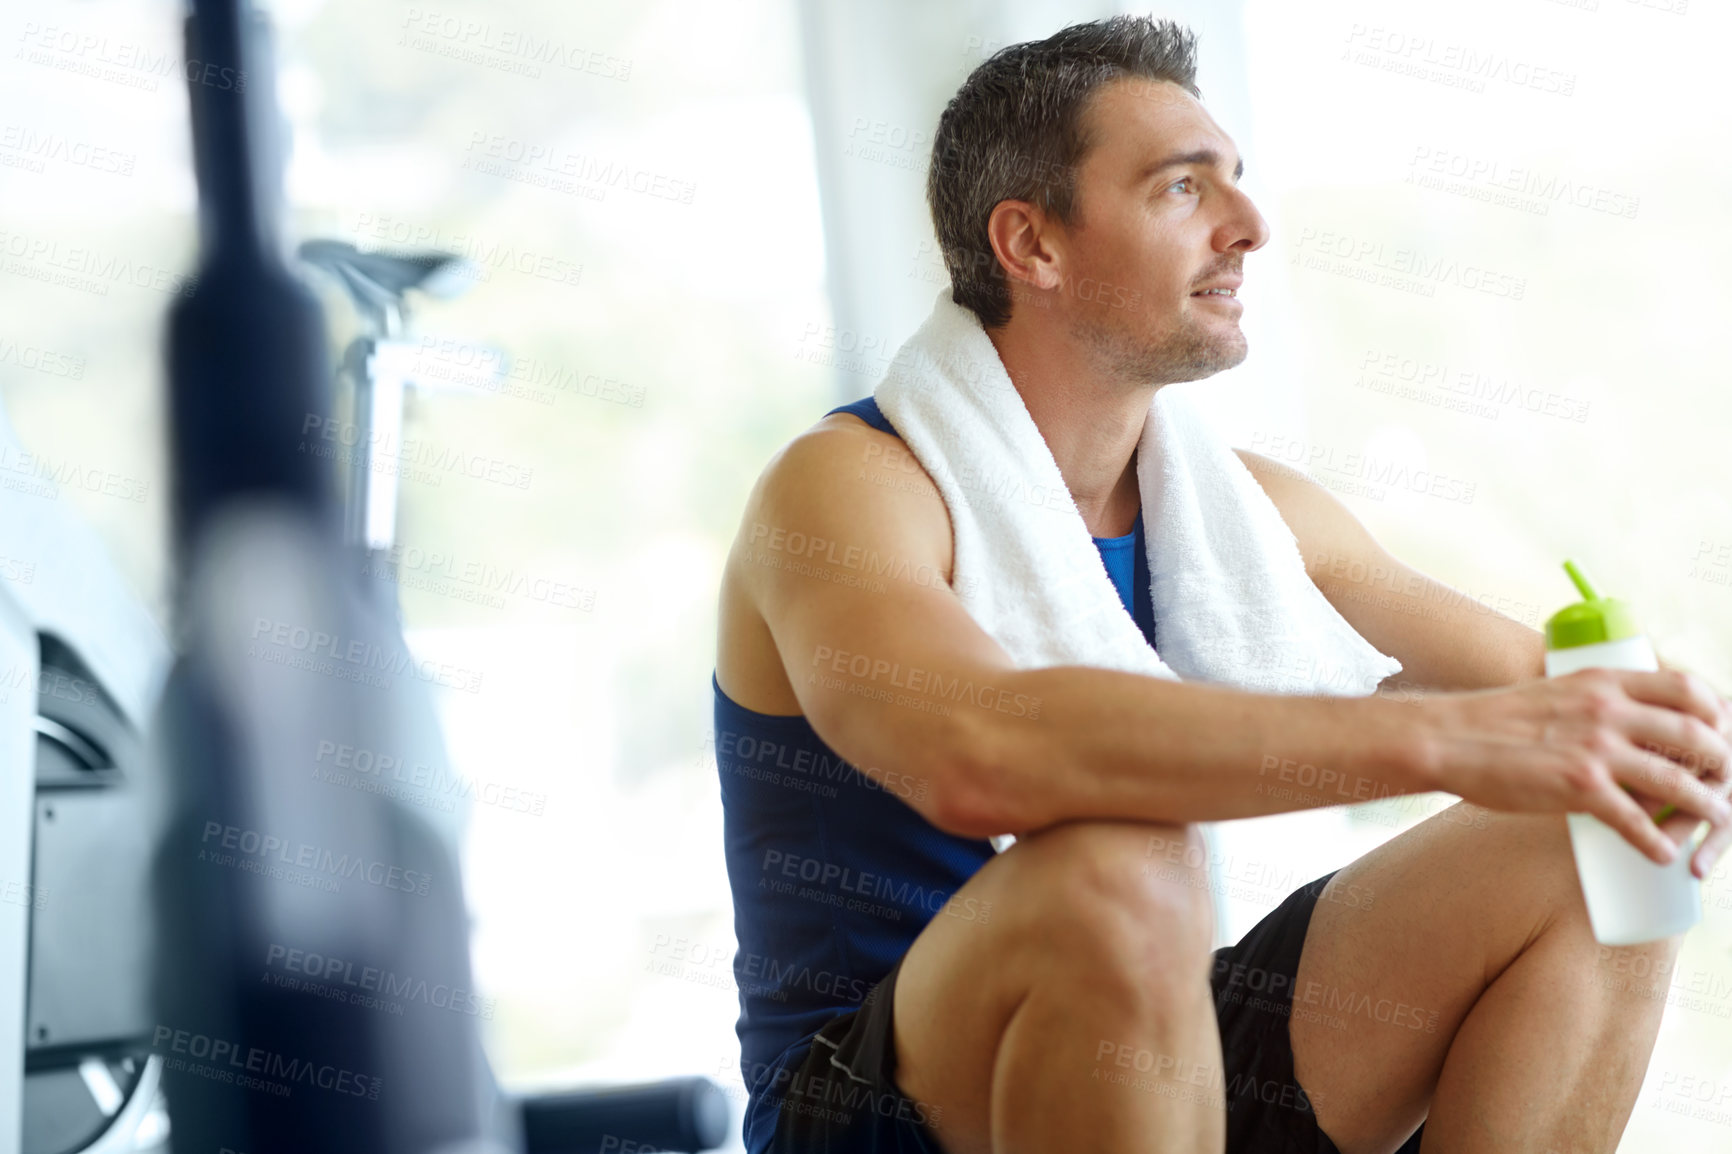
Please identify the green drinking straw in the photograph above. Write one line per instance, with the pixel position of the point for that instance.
(1581, 582)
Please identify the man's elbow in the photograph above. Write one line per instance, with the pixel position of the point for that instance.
(970, 792)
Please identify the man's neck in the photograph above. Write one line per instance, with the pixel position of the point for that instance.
(1091, 425)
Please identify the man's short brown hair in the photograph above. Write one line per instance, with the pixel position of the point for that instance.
(1015, 131)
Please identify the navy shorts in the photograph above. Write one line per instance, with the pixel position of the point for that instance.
(843, 1097)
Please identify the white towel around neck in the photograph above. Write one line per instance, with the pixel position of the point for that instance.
(1232, 601)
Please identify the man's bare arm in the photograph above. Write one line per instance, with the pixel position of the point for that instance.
(902, 677)
(1443, 638)
(895, 674)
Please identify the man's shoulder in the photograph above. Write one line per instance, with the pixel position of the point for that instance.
(1297, 495)
(1270, 472)
(1325, 529)
(843, 458)
(843, 523)
(842, 484)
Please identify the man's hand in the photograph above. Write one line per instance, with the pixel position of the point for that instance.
(1585, 743)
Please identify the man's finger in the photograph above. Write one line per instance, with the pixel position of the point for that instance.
(1653, 778)
(1708, 853)
(1679, 827)
(1620, 811)
(1676, 689)
(1680, 738)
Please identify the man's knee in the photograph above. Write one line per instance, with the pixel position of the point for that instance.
(1647, 968)
(1541, 853)
(1125, 898)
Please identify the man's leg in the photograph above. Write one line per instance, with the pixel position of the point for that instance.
(1068, 1019)
(1470, 981)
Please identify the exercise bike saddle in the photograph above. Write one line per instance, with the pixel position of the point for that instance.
(379, 279)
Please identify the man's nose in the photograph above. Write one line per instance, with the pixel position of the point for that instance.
(1244, 230)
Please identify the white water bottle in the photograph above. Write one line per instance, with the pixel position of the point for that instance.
(1630, 898)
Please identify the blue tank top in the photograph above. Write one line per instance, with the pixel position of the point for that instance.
(833, 871)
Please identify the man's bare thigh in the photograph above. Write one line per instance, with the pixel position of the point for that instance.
(1386, 979)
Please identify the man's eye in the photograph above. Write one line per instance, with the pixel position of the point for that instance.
(1183, 182)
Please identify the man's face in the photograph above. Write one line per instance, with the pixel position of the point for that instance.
(1158, 220)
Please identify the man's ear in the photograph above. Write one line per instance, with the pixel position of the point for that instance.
(1022, 241)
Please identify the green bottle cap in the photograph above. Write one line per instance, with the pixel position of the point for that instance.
(1589, 621)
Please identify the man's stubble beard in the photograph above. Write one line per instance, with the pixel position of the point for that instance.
(1189, 352)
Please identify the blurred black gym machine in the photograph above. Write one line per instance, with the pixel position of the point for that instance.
(145, 883)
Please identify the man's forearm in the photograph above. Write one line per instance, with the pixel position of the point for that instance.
(1108, 744)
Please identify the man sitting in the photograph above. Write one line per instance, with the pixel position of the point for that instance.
(906, 987)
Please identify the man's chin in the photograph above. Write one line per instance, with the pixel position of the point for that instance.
(1227, 354)
(1195, 360)
(1194, 351)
